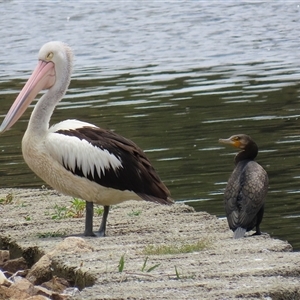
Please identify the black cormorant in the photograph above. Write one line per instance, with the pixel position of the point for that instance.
(247, 187)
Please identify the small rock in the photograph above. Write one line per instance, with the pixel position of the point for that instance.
(41, 271)
(38, 297)
(13, 293)
(71, 291)
(25, 286)
(3, 292)
(16, 278)
(14, 265)
(19, 274)
(56, 284)
(41, 291)
(50, 294)
(72, 244)
(4, 256)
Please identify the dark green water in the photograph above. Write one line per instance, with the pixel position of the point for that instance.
(174, 79)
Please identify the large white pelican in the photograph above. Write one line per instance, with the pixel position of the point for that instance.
(77, 158)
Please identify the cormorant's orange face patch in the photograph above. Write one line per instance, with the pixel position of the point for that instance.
(236, 141)
(237, 144)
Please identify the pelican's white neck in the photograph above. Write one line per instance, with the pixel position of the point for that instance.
(43, 110)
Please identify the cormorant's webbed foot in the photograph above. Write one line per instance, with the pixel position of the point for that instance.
(256, 233)
(260, 233)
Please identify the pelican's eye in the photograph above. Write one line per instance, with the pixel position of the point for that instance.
(49, 56)
(235, 138)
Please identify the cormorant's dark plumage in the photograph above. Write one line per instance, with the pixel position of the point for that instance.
(247, 187)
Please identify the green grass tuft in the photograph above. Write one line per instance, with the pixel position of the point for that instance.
(60, 212)
(77, 209)
(121, 263)
(7, 200)
(148, 269)
(177, 273)
(99, 211)
(134, 213)
(175, 249)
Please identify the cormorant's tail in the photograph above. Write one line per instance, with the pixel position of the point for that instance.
(239, 233)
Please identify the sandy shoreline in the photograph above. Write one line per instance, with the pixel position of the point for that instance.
(256, 267)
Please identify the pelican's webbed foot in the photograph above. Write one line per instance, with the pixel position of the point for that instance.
(102, 229)
(89, 221)
(89, 213)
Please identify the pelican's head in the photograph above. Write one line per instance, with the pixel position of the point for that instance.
(60, 56)
(52, 72)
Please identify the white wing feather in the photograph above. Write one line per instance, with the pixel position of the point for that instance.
(69, 125)
(73, 152)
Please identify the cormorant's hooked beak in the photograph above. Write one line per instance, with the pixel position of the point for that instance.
(43, 77)
(230, 141)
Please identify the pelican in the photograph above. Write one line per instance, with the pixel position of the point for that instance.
(77, 158)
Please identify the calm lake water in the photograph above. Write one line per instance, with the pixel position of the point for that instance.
(174, 77)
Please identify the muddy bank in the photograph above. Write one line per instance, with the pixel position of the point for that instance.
(218, 268)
